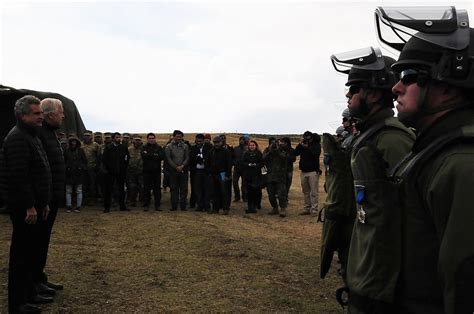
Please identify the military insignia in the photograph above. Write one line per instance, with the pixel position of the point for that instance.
(361, 214)
(360, 199)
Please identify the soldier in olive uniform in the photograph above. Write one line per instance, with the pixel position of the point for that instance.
(276, 160)
(339, 206)
(126, 139)
(92, 152)
(107, 140)
(435, 95)
(98, 138)
(374, 253)
(135, 172)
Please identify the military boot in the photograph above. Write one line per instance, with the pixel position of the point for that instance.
(283, 212)
(274, 211)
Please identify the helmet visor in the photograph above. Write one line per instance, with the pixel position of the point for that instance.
(442, 26)
(369, 59)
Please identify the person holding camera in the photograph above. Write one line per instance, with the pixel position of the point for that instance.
(276, 159)
(309, 150)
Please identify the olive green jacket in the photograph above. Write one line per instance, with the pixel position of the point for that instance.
(374, 254)
(437, 268)
(339, 206)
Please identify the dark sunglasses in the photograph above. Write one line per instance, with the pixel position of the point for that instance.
(354, 89)
(409, 76)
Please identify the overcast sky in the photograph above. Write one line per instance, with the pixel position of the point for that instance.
(249, 67)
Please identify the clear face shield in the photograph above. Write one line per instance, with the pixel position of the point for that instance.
(443, 26)
(368, 58)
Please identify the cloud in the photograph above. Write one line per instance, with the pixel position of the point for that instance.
(157, 66)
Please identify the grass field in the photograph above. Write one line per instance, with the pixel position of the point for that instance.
(185, 261)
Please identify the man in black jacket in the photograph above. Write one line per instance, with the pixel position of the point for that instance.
(220, 165)
(53, 117)
(152, 155)
(238, 169)
(309, 150)
(202, 185)
(115, 160)
(28, 174)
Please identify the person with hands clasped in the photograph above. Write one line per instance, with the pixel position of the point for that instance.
(27, 171)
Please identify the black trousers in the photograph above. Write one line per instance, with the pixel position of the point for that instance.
(179, 189)
(221, 193)
(235, 182)
(109, 181)
(202, 189)
(152, 181)
(44, 228)
(23, 251)
(254, 196)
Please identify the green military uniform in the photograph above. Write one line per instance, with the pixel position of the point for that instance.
(92, 152)
(435, 182)
(373, 263)
(437, 201)
(276, 161)
(339, 207)
(374, 255)
(134, 178)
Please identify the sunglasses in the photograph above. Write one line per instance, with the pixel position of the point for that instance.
(354, 89)
(409, 76)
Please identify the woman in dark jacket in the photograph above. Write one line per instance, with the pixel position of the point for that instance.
(76, 162)
(252, 163)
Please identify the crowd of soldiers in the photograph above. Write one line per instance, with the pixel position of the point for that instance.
(398, 210)
(123, 166)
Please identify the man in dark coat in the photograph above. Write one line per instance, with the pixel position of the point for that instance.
(202, 185)
(29, 185)
(152, 155)
(115, 160)
(220, 165)
(53, 117)
(238, 170)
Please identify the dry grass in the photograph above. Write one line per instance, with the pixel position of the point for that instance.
(185, 261)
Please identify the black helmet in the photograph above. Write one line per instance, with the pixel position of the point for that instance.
(366, 66)
(435, 40)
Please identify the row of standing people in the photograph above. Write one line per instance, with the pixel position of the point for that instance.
(138, 167)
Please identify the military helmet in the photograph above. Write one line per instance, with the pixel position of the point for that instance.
(435, 41)
(366, 66)
(339, 130)
(346, 114)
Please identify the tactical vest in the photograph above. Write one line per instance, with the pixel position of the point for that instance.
(374, 262)
(419, 285)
